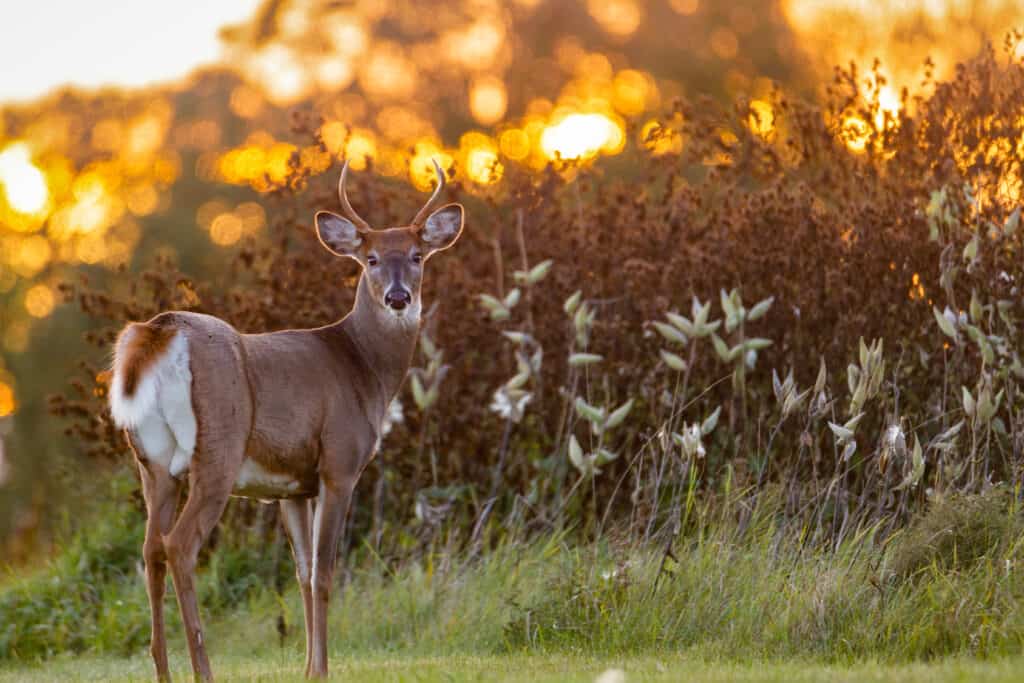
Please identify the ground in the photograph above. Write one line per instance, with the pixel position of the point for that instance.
(285, 666)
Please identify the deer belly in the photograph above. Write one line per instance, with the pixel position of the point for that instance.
(255, 481)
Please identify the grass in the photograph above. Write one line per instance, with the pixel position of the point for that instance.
(286, 666)
(750, 601)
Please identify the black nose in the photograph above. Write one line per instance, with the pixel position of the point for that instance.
(397, 299)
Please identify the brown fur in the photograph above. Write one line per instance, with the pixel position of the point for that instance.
(304, 403)
(139, 346)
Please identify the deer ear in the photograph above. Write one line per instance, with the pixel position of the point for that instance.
(338, 234)
(442, 228)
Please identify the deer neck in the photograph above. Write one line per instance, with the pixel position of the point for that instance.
(384, 341)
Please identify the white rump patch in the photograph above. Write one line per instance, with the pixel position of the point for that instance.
(160, 412)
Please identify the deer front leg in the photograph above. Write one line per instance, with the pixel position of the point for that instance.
(296, 515)
(200, 515)
(161, 493)
(328, 525)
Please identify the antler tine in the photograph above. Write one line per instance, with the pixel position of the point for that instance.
(425, 211)
(346, 207)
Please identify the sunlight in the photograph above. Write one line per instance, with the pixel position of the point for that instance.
(24, 185)
(580, 136)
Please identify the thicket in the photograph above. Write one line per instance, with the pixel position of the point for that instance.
(825, 310)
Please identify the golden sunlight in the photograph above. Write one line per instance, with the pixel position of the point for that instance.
(7, 404)
(24, 185)
(579, 136)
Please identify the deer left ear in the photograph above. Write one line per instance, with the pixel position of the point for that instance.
(442, 228)
(338, 234)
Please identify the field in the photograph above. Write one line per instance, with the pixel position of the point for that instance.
(280, 667)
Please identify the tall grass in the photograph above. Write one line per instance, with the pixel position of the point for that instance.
(738, 586)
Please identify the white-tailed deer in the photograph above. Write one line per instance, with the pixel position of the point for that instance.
(293, 415)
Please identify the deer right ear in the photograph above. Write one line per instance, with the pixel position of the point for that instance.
(338, 234)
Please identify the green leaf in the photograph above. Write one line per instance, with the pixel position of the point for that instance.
(516, 337)
(944, 324)
(589, 412)
(710, 422)
(756, 344)
(968, 400)
(539, 272)
(576, 453)
(512, 298)
(971, 250)
(720, 348)
(618, 415)
(572, 302)
(761, 308)
(672, 360)
(682, 323)
(670, 333)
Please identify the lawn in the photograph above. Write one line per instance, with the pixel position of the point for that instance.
(285, 665)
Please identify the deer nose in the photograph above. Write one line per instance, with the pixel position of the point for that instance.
(397, 299)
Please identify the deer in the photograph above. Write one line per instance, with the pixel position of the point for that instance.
(293, 416)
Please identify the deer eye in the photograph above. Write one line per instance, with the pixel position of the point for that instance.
(371, 260)
(417, 257)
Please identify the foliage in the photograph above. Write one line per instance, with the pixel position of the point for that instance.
(92, 596)
(889, 391)
(738, 587)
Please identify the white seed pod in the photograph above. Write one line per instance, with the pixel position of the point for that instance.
(841, 433)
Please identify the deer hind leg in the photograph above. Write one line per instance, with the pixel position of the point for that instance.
(203, 509)
(160, 491)
(328, 525)
(296, 515)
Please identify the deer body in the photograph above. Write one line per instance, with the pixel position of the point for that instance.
(292, 415)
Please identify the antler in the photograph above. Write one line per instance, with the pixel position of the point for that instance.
(417, 222)
(346, 208)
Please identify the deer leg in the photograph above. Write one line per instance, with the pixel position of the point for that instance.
(297, 518)
(200, 515)
(328, 524)
(160, 491)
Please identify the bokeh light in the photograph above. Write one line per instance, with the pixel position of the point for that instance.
(7, 403)
(24, 185)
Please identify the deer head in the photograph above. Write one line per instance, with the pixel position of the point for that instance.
(392, 259)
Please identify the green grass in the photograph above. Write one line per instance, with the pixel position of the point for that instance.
(287, 666)
(940, 601)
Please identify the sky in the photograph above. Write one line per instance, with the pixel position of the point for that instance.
(45, 44)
